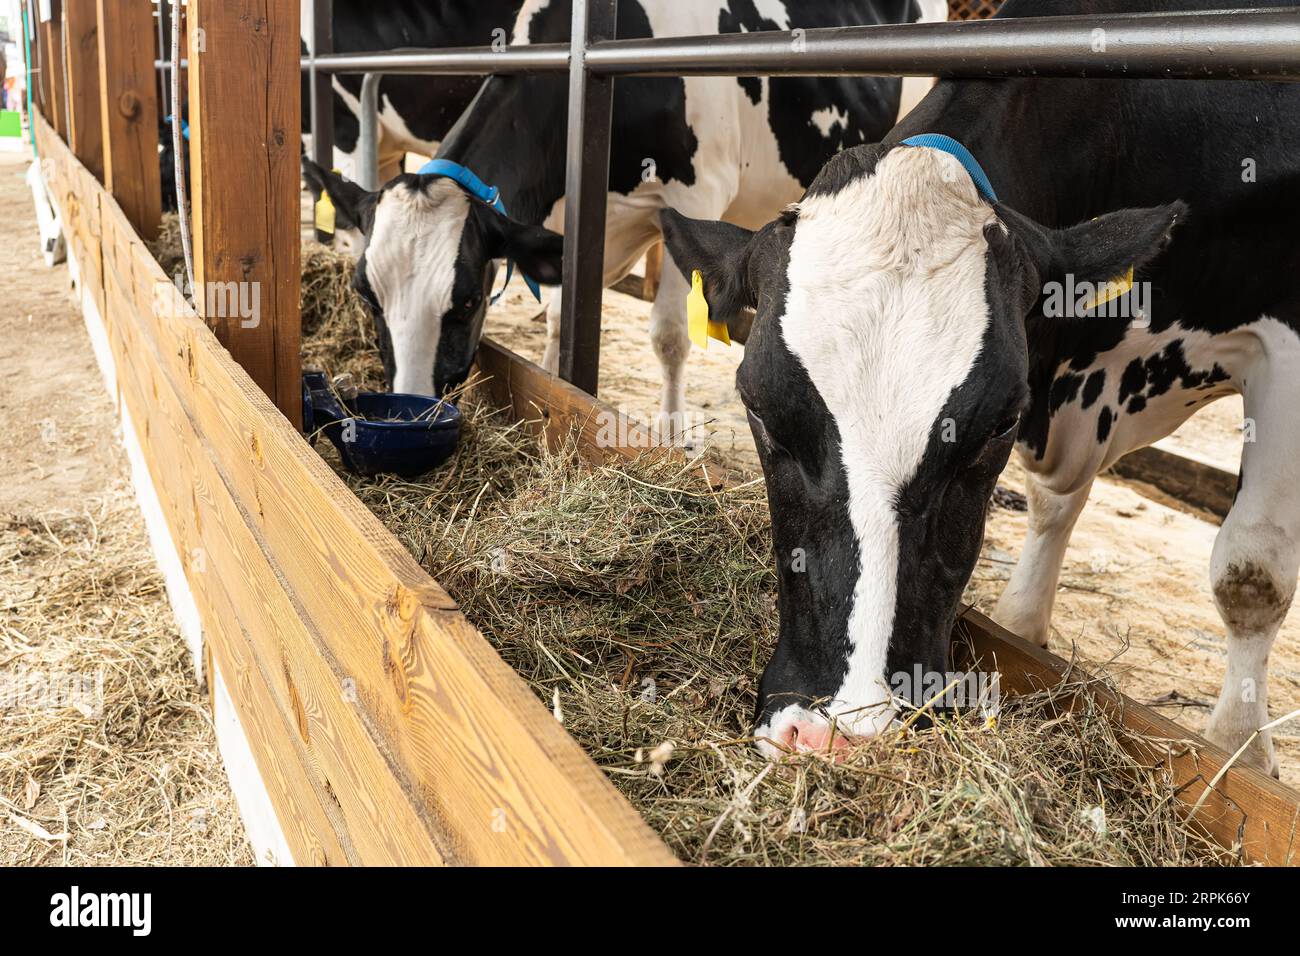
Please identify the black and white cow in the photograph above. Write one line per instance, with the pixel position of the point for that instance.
(714, 147)
(903, 344)
(415, 112)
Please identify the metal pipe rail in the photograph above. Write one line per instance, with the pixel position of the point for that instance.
(1227, 44)
(1219, 45)
(1245, 44)
(453, 61)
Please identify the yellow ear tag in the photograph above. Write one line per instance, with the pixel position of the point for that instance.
(1111, 290)
(699, 326)
(325, 214)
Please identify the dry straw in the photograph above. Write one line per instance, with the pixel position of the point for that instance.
(639, 606)
(107, 753)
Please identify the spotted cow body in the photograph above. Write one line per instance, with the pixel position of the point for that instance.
(415, 112)
(901, 346)
(712, 146)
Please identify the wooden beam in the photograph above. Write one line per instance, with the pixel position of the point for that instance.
(1246, 808)
(81, 45)
(385, 726)
(245, 118)
(52, 68)
(129, 111)
(1197, 484)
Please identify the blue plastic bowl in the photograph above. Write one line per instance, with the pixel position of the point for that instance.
(379, 433)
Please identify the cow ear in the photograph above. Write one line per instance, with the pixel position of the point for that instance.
(348, 198)
(719, 251)
(537, 251)
(1101, 249)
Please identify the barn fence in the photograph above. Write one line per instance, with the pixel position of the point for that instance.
(972, 9)
(1253, 44)
(377, 724)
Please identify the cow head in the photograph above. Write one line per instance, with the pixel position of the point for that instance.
(884, 377)
(427, 268)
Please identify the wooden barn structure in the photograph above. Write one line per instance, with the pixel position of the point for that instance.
(363, 718)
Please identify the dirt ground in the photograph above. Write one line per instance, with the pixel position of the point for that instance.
(127, 773)
(1135, 585)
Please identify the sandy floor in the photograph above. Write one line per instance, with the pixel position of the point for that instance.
(1135, 585)
(135, 778)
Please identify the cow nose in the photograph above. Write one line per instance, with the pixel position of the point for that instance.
(446, 384)
(804, 736)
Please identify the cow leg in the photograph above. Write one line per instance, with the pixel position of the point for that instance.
(551, 358)
(1255, 560)
(1025, 607)
(672, 345)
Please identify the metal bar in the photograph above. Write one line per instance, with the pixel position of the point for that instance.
(591, 108)
(1228, 44)
(321, 84)
(454, 61)
(368, 149)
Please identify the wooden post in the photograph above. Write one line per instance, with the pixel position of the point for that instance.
(52, 69)
(128, 104)
(81, 41)
(245, 118)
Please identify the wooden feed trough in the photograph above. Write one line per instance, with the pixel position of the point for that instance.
(383, 727)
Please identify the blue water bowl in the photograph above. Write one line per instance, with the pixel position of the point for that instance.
(377, 433)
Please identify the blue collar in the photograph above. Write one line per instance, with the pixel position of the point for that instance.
(953, 148)
(467, 181)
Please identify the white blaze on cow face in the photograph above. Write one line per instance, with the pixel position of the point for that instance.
(886, 310)
(411, 267)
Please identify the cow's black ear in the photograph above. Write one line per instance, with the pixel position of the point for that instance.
(348, 198)
(1110, 245)
(537, 251)
(720, 252)
(1101, 249)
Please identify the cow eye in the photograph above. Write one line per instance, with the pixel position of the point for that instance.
(761, 427)
(1006, 427)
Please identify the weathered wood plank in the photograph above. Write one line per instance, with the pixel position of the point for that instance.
(303, 814)
(1186, 480)
(128, 104)
(81, 43)
(51, 39)
(486, 761)
(345, 762)
(559, 410)
(244, 133)
(1246, 807)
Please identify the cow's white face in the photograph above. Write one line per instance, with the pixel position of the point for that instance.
(427, 270)
(914, 300)
(885, 377)
(407, 275)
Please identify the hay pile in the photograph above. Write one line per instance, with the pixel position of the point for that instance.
(106, 746)
(640, 607)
